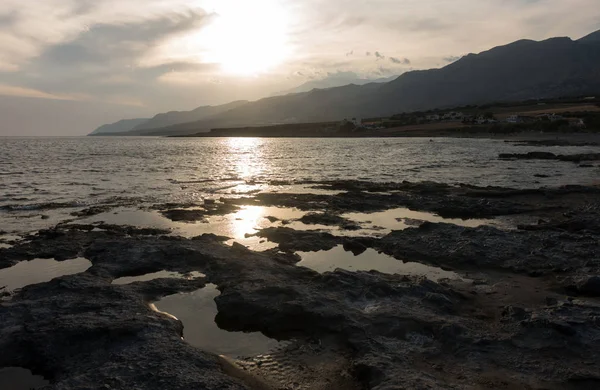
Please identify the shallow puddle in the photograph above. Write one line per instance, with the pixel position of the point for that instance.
(403, 218)
(302, 189)
(157, 275)
(40, 271)
(16, 378)
(130, 217)
(7, 241)
(237, 226)
(197, 311)
(327, 261)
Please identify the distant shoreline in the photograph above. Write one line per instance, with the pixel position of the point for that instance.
(524, 136)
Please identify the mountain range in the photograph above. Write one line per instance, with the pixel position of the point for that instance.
(338, 79)
(121, 126)
(522, 70)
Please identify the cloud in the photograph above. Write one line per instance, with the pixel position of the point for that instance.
(368, 54)
(350, 53)
(450, 59)
(396, 60)
(12, 90)
(112, 62)
(379, 55)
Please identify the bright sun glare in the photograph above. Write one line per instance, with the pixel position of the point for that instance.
(246, 37)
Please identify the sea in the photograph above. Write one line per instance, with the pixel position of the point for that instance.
(45, 179)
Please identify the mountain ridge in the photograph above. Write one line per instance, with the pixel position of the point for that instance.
(175, 117)
(521, 70)
(593, 37)
(122, 126)
(335, 80)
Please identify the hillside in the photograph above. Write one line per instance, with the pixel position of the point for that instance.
(336, 80)
(176, 117)
(518, 71)
(593, 37)
(121, 126)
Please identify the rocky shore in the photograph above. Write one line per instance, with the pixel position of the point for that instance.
(524, 314)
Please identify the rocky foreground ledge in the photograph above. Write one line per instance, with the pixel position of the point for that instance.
(525, 315)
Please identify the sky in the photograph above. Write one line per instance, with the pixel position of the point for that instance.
(68, 66)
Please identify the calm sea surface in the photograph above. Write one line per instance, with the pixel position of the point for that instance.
(55, 173)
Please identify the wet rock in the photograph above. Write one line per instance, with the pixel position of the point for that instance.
(589, 285)
(91, 211)
(81, 332)
(305, 241)
(328, 219)
(182, 215)
(529, 156)
(355, 247)
(589, 222)
(447, 201)
(576, 158)
(551, 156)
(555, 142)
(199, 214)
(395, 331)
(516, 313)
(490, 248)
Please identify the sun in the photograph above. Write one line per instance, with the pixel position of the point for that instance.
(246, 37)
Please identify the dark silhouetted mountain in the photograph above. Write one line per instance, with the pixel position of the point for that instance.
(176, 117)
(119, 127)
(519, 71)
(593, 37)
(338, 79)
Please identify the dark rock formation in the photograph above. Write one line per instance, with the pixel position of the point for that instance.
(199, 214)
(510, 327)
(329, 219)
(576, 158)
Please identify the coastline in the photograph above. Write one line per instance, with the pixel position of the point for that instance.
(586, 137)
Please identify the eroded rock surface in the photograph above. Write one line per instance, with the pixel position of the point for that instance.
(525, 316)
(551, 156)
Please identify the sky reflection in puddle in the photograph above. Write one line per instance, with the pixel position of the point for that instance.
(403, 218)
(40, 271)
(242, 224)
(302, 189)
(236, 225)
(327, 261)
(16, 378)
(197, 311)
(157, 275)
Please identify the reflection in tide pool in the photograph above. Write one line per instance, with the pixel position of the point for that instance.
(197, 311)
(403, 218)
(236, 226)
(40, 271)
(157, 275)
(16, 378)
(327, 261)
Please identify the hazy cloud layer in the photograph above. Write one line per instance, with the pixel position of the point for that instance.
(146, 56)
